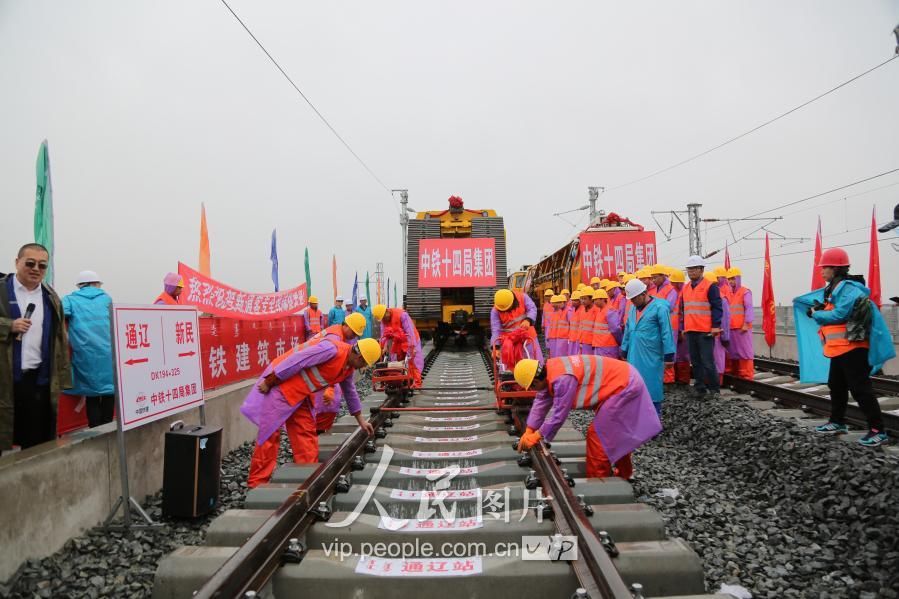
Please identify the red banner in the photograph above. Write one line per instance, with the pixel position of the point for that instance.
(208, 295)
(466, 262)
(604, 255)
(234, 350)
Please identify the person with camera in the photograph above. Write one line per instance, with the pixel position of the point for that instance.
(848, 321)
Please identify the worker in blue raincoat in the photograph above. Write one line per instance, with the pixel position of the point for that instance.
(648, 343)
(87, 317)
(365, 310)
(842, 339)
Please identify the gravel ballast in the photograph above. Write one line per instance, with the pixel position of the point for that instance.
(115, 564)
(770, 505)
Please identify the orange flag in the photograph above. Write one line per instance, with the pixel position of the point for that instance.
(817, 279)
(204, 243)
(769, 314)
(874, 262)
(334, 274)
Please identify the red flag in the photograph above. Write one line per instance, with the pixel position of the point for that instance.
(817, 280)
(769, 315)
(874, 262)
(726, 257)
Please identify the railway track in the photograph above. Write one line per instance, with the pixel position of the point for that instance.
(437, 505)
(778, 382)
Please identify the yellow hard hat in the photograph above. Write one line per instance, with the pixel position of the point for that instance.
(643, 273)
(180, 282)
(565, 292)
(677, 276)
(595, 280)
(658, 269)
(313, 299)
(588, 293)
(548, 291)
(576, 295)
(629, 277)
(733, 271)
(600, 294)
(370, 350)
(379, 311)
(710, 276)
(556, 298)
(503, 300)
(720, 271)
(525, 371)
(356, 322)
(621, 273)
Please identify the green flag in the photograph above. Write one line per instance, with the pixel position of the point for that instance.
(396, 304)
(368, 289)
(308, 276)
(43, 207)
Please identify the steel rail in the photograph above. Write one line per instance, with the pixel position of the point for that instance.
(255, 562)
(881, 384)
(593, 567)
(809, 402)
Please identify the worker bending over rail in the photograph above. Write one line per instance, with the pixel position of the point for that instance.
(625, 418)
(399, 331)
(512, 327)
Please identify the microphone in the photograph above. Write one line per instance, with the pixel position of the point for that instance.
(28, 312)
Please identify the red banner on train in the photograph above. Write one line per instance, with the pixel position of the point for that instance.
(213, 297)
(467, 262)
(604, 255)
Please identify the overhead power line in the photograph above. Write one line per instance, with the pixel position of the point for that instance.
(753, 130)
(309, 102)
(800, 201)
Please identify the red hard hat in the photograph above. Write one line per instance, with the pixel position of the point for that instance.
(834, 257)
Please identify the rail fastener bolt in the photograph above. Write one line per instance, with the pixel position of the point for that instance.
(380, 432)
(358, 463)
(370, 446)
(293, 554)
(323, 511)
(581, 501)
(531, 482)
(608, 544)
(343, 484)
(637, 591)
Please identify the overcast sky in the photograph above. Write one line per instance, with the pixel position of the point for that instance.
(152, 107)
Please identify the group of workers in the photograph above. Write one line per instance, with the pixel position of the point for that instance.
(612, 346)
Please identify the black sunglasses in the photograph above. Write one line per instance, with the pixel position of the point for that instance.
(33, 263)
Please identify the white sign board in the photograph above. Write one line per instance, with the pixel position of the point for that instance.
(158, 368)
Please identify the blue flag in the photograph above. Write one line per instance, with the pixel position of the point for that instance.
(274, 258)
(356, 290)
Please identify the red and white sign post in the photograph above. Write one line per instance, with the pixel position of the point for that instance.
(156, 350)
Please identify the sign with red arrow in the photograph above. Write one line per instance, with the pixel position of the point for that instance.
(158, 364)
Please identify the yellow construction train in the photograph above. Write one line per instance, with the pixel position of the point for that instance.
(455, 262)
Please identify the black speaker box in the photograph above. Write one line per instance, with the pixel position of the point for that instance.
(191, 471)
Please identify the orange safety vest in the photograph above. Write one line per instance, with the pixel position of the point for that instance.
(167, 299)
(598, 378)
(315, 320)
(602, 337)
(835, 338)
(396, 322)
(588, 325)
(737, 309)
(563, 327)
(663, 291)
(675, 316)
(574, 327)
(315, 378)
(512, 318)
(553, 322)
(697, 309)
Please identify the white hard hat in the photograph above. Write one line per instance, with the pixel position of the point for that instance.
(694, 261)
(634, 288)
(339, 298)
(87, 276)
